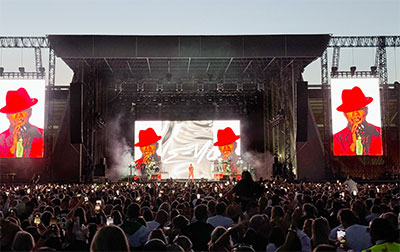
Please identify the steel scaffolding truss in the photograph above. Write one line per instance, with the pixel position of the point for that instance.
(24, 42)
(38, 59)
(37, 43)
(364, 41)
(380, 43)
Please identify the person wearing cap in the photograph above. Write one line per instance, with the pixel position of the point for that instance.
(226, 142)
(21, 139)
(148, 144)
(359, 137)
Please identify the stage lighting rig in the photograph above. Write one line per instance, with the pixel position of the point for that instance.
(200, 86)
(160, 87)
(239, 86)
(220, 86)
(140, 87)
(373, 70)
(179, 86)
(260, 86)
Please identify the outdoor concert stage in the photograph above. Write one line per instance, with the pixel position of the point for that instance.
(191, 81)
(187, 89)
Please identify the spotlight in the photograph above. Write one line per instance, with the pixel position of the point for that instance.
(334, 70)
(179, 87)
(200, 87)
(353, 70)
(160, 87)
(373, 70)
(1, 71)
(42, 70)
(239, 87)
(140, 87)
(220, 86)
(21, 70)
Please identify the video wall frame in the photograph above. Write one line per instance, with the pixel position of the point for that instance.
(356, 117)
(22, 118)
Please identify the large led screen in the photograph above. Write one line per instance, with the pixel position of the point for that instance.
(22, 104)
(177, 144)
(356, 117)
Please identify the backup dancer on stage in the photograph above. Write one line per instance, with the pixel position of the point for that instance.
(149, 165)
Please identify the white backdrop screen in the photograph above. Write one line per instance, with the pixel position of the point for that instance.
(187, 142)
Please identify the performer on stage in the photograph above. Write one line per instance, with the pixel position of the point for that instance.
(150, 161)
(191, 174)
(359, 137)
(226, 142)
(21, 139)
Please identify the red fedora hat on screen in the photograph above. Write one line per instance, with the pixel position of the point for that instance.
(147, 137)
(17, 101)
(353, 99)
(226, 136)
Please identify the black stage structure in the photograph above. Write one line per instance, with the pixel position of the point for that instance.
(253, 78)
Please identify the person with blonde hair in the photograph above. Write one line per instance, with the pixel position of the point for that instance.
(224, 244)
(109, 238)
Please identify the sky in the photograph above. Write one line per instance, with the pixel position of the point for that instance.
(202, 17)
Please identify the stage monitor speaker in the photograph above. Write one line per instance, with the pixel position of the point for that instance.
(302, 111)
(75, 112)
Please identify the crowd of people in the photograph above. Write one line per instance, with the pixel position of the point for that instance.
(271, 215)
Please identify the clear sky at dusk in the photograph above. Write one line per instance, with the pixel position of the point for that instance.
(203, 17)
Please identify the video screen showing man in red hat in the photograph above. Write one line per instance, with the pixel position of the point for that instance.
(150, 163)
(359, 137)
(226, 142)
(21, 139)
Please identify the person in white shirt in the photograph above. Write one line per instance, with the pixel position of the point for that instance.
(220, 219)
(351, 185)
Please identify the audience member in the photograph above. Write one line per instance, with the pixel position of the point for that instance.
(225, 216)
(109, 238)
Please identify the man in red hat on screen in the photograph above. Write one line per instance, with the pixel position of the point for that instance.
(21, 139)
(227, 145)
(148, 144)
(359, 137)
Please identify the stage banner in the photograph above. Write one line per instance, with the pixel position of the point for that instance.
(22, 111)
(177, 144)
(356, 117)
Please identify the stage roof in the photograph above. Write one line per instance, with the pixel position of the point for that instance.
(186, 56)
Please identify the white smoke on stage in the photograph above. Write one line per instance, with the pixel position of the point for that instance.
(120, 153)
(262, 163)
